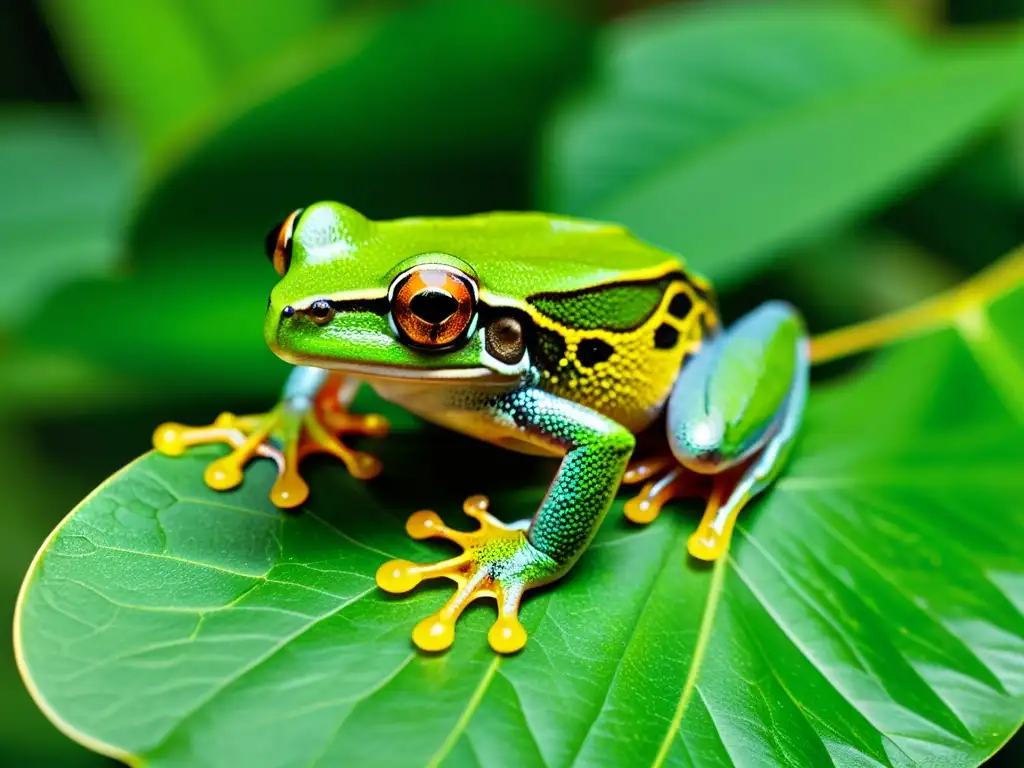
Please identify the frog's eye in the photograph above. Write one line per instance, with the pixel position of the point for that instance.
(433, 305)
(278, 243)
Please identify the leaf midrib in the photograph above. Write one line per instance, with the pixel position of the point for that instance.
(700, 649)
(993, 683)
(636, 624)
(467, 714)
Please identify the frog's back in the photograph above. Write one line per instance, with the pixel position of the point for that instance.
(518, 254)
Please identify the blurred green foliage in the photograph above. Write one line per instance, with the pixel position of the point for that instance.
(145, 147)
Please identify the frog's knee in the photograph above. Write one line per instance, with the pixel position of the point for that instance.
(698, 443)
(730, 399)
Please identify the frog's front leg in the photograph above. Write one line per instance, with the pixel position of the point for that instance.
(504, 560)
(312, 412)
(732, 419)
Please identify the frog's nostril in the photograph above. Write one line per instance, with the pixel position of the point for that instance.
(433, 305)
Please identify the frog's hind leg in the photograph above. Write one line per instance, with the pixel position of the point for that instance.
(312, 413)
(733, 415)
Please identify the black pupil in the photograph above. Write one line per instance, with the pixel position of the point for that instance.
(320, 308)
(433, 305)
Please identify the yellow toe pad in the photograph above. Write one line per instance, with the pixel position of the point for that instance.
(497, 561)
(286, 435)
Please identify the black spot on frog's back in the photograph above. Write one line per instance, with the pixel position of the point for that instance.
(665, 337)
(593, 351)
(681, 305)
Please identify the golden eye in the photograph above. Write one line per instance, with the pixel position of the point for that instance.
(433, 306)
(278, 243)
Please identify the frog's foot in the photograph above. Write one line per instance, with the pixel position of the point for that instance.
(668, 480)
(725, 493)
(294, 429)
(711, 539)
(498, 561)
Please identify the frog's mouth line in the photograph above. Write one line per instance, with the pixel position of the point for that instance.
(478, 375)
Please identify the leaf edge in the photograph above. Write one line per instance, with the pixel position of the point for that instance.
(79, 737)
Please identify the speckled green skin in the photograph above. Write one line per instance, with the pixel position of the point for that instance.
(596, 453)
(622, 308)
(515, 564)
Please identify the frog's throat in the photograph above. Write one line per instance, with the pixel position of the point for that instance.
(478, 375)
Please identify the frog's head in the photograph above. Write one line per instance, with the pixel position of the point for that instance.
(355, 298)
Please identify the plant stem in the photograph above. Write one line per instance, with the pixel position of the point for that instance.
(944, 310)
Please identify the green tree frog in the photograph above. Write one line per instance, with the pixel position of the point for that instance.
(538, 333)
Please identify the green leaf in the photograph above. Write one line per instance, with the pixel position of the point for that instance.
(188, 57)
(63, 201)
(869, 612)
(730, 133)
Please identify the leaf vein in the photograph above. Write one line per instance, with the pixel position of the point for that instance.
(634, 629)
(700, 649)
(460, 725)
(262, 658)
(332, 527)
